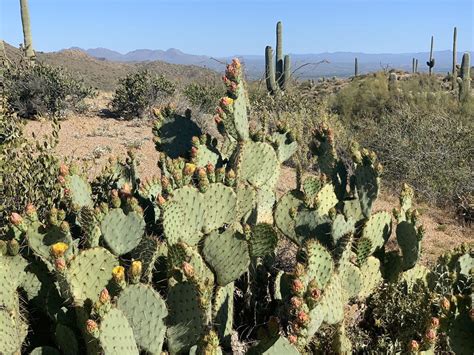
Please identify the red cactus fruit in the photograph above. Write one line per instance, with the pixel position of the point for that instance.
(16, 219)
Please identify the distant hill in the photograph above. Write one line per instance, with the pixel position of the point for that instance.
(340, 64)
(104, 74)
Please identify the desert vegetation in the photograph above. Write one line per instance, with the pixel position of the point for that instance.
(209, 253)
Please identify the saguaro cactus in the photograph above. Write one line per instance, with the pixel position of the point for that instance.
(454, 70)
(356, 67)
(413, 64)
(416, 65)
(28, 42)
(277, 77)
(431, 62)
(464, 80)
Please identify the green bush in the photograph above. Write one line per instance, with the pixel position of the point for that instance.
(138, 92)
(43, 90)
(28, 169)
(203, 96)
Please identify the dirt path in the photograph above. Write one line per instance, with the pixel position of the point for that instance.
(92, 140)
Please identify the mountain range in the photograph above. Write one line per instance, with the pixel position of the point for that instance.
(313, 65)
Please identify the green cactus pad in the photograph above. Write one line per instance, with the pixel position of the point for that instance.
(145, 310)
(12, 332)
(263, 240)
(175, 133)
(311, 186)
(66, 340)
(465, 264)
(333, 301)
(284, 218)
(351, 280)
(79, 191)
(316, 316)
(409, 244)
(378, 229)
(122, 232)
(206, 155)
(189, 213)
(116, 335)
(278, 346)
(148, 252)
(353, 210)
(186, 318)
(228, 255)
(414, 275)
(309, 223)
(341, 227)
(363, 250)
(89, 273)
(257, 164)
(284, 145)
(326, 198)
(223, 312)
(245, 200)
(367, 183)
(180, 253)
(265, 202)
(45, 350)
(40, 239)
(319, 263)
(371, 276)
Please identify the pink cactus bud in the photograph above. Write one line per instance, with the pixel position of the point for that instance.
(61, 180)
(302, 317)
(413, 346)
(297, 286)
(296, 302)
(202, 172)
(299, 270)
(67, 192)
(194, 152)
(104, 296)
(445, 304)
(293, 339)
(126, 190)
(195, 141)
(217, 119)
(60, 264)
(64, 170)
(30, 209)
(16, 219)
(188, 270)
(91, 326)
(315, 293)
(114, 193)
(430, 336)
(434, 322)
(160, 200)
(210, 168)
(236, 63)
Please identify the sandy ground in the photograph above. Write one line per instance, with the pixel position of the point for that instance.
(92, 140)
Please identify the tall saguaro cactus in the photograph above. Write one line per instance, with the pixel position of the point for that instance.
(464, 80)
(431, 62)
(28, 42)
(454, 70)
(356, 67)
(413, 63)
(277, 77)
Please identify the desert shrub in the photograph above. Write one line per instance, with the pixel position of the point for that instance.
(28, 169)
(138, 92)
(203, 96)
(394, 316)
(43, 90)
(422, 134)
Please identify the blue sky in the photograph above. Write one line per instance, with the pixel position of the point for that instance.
(221, 28)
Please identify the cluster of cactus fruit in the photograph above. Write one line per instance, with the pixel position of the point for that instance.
(156, 265)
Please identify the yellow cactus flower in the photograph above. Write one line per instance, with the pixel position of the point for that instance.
(58, 249)
(136, 268)
(118, 273)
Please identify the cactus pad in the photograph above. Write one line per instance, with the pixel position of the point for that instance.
(12, 332)
(122, 232)
(326, 199)
(186, 318)
(228, 255)
(116, 335)
(66, 340)
(257, 164)
(285, 213)
(45, 350)
(89, 273)
(79, 191)
(145, 310)
(223, 312)
(333, 301)
(284, 146)
(378, 229)
(371, 276)
(407, 239)
(263, 240)
(319, 263)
